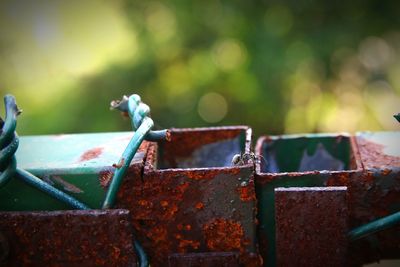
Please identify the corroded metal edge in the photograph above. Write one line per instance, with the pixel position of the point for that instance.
(68, 238)
(204, 259)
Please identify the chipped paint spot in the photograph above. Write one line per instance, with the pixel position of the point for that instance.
(246, 193)
(91, 154)
(105, 178)
(373, 155)
(66, 186)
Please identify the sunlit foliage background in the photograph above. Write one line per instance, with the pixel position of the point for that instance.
(279, 66)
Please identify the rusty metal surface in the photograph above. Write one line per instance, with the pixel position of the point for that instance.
(205, 259)
(68, 238)
(203, 209)
(373, 192)
(311, 226)
(376, 193)
(379, 150)
(266, 183)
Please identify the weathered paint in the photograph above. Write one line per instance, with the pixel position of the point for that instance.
(311, 226)
(58, 159)
(376, 194)
(205, 259)
(287, 152)
(68, 238)
(194, 208)
(379, 150)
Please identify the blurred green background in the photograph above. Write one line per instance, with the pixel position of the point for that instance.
(278, 66)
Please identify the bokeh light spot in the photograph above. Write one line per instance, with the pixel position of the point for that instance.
(229, 54)
(160, 22)
(375, 53)
(212, 107)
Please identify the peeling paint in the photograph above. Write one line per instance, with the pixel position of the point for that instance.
(91, 154)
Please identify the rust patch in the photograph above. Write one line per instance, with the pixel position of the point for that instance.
(224, 235)
(374, 157)
(199, 205)
(247, 193)
(204, 259)
(105, 178)
(386, 172)
(184, 244)
(163, 206)
(91, 154)
(66, 186)
(68, 238)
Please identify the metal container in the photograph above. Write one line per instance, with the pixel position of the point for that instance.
(191, 199)
(312, 160)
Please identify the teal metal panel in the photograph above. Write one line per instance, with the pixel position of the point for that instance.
(71, 153)
(74, 163)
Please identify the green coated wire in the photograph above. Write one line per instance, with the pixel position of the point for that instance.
(8, 165)
(125, 161)
(374, 226)
(50, 190)
(377, 225)
(138, 112)
(9, 144)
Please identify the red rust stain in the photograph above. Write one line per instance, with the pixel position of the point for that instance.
(116, 252)
(158, 235)
(338, 179)
(246, 193)
(178, 236)
(171, 211)
(373, 155)
(199, 205)
(91, 154)
(224, 235)
(183, 244)
(67, 186)
(179, 226)
(188, 227)
(164, 203)
(69, 238)
(386, 172)
(105, 178)
(182, 187)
